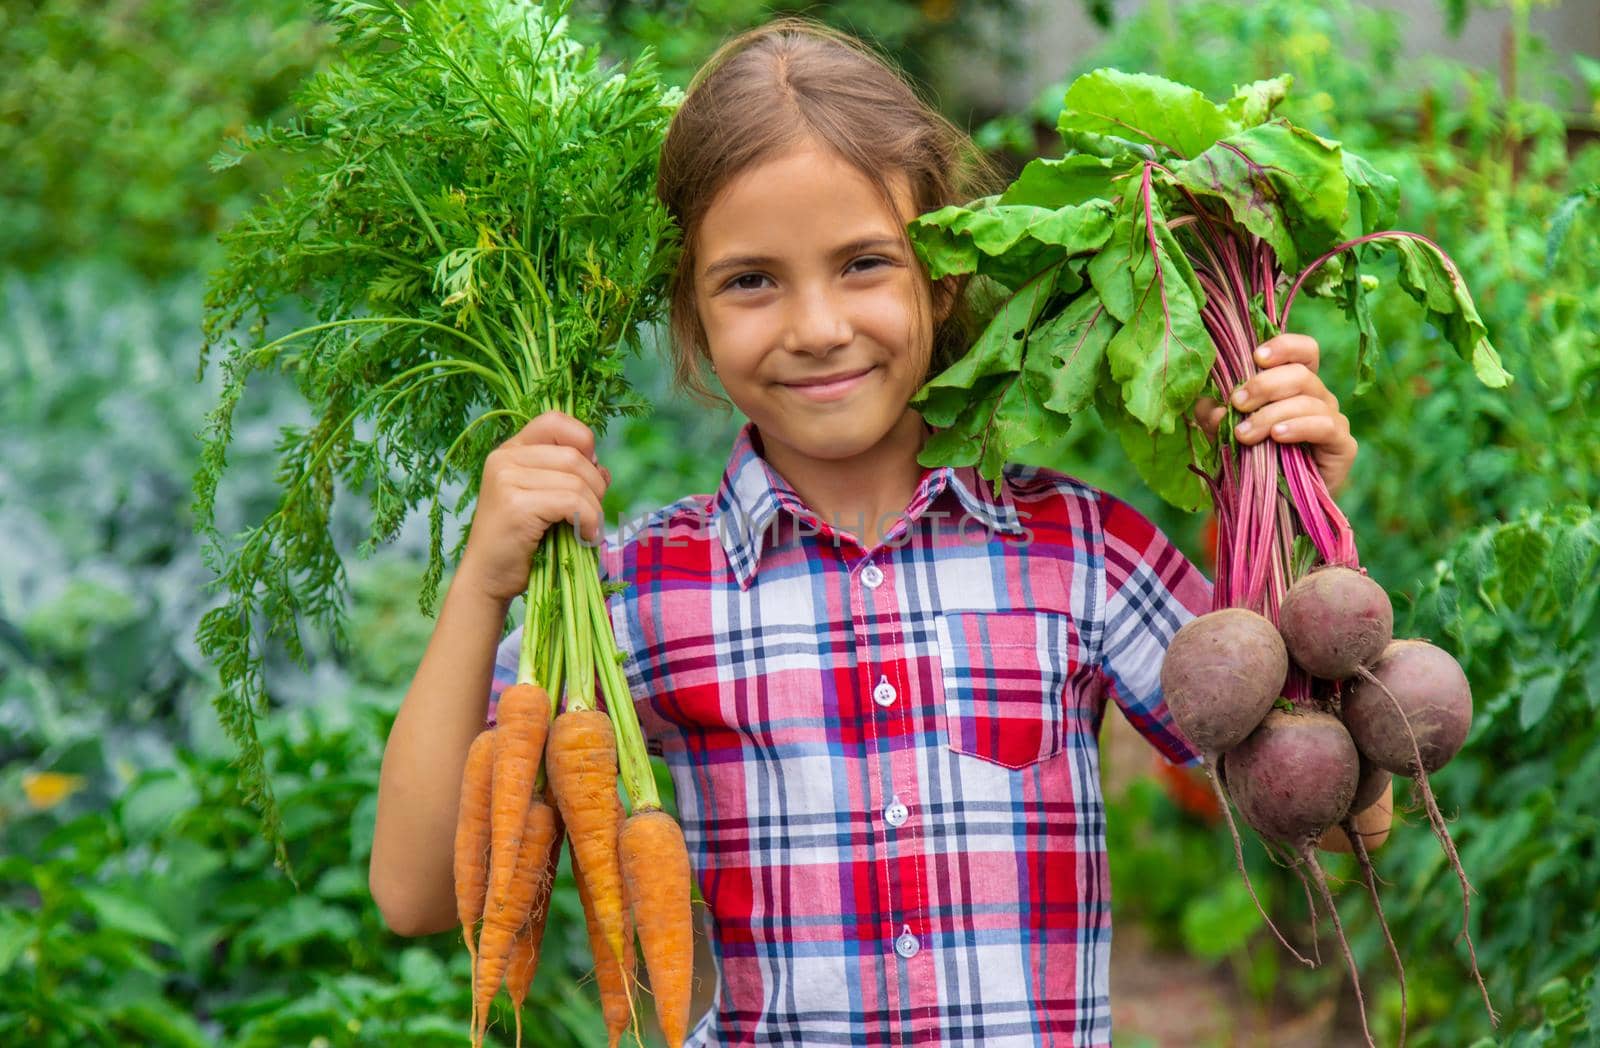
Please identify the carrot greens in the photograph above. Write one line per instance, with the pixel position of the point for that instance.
(471, 224)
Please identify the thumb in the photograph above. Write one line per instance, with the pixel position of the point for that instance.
(1209, 414)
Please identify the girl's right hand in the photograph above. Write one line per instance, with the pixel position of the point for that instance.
(543, 475)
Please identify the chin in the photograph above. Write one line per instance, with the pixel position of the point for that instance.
(833, 435)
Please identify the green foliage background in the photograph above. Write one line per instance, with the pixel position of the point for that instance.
(143, 907)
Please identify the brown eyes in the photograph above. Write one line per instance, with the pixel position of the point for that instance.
(752, 281)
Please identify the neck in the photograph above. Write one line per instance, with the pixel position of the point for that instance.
(864, 494)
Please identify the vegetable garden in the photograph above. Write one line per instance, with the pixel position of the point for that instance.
(208, 614)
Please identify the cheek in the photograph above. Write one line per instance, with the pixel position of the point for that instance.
(901, 319)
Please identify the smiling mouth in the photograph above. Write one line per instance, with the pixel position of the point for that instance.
(830, 387)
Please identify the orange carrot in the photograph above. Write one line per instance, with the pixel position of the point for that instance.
(523, 717)
(472, 839)
(655, 870)
(501, 923)
(581, 761)
(616, 985)
(525, 947)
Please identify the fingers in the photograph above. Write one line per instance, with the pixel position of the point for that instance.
(1209, 414)
(527, 460)
(1289, 348)
(1296, 420)
(557, 427)
(1282, 383)
(555, 495)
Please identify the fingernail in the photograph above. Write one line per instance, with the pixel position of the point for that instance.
(1263, 354)
(1240, 397)
(1242, 429)
(1281, 429)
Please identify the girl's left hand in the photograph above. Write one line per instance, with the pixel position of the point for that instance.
(1287, 401)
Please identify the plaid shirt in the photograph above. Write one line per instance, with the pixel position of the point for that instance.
(886, 760)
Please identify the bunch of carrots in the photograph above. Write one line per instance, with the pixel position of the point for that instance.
(539, 776)
(471, 217)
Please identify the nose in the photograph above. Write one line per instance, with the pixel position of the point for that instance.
(817, 323)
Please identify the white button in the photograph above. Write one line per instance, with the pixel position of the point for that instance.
(884, 694)
(871, 576)
(895, 814)
(906, 945)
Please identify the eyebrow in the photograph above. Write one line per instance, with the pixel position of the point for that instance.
(867, 243)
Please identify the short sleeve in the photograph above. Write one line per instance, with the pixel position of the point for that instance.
(505, 670)
(1151, 589)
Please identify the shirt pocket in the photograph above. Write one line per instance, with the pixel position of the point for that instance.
(1006, 677)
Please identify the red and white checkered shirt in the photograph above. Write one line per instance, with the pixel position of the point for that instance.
(886, 759)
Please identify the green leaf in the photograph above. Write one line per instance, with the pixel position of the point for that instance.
(1375, 197)
(420, 968)
(301, 919)
(1253, 103)
(16, 935)
(1055, 183)
(1573, 556)
(1066, 354)
(154, 803)
(1561, 222)
(961, 441)
(161, 1023)
(990, 430)
(1538, 695)
(1433, 280)
(1162, 354)
(1282, 183)
(1012, 244)
(1144, 109)
(997, 352)
(1520, 550)
(1019, 422)
(1162, 459)
(1357, 307)
(1219, 923)
(122, 913)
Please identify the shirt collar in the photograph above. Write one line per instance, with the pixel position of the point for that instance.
(752, 493)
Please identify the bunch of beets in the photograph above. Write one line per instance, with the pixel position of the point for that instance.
(1140, 270)
(1296, 768)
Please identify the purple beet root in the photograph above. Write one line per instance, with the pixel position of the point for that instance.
(1221, 674)
(1427, 686)
(1334, 621)
(1370, 784)
(1294, 776)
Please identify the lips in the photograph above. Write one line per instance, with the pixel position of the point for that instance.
(826, 380)
(830, 387)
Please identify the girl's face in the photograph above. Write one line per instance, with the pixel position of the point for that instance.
(815, 312)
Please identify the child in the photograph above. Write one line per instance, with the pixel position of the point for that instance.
(877, 686)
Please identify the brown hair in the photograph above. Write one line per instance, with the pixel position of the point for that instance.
(773, 87)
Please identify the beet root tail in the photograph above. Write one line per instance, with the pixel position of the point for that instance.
(1370, 877)
(1238, 857)
(1419, 782)
(1308, 859)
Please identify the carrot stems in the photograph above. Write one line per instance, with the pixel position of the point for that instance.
(633, 760)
